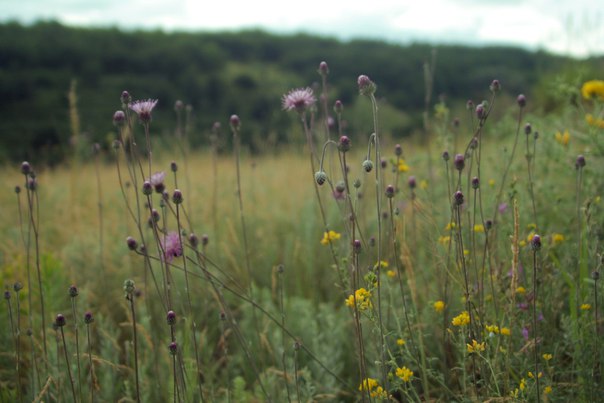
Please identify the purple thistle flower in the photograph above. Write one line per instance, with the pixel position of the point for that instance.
(299, 99)
(171, 246)
(503, 207)
(143, 109)
(525, 333)
(157, 181)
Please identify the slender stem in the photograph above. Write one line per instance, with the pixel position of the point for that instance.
(75, 326)
(282, 309)
(90, 363)
(536, 341)
(134, 340)
(75, 399)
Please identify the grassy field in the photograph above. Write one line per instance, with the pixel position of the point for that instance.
(466, 276)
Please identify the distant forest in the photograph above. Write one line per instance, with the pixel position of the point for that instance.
(218, 74)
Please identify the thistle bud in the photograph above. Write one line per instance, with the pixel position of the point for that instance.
(205, 239)
(475, 182)
(17, 286)
(356, 246)
(173, 166)
(235, 122)
(366, 86)
(173, 348)
(193, 240)
(88, 318)
(344, 144)
(580, 162)
(25, 168)
(459, 162)
(338, 107)
(495, 86)
(398, 150)
(320, 177)
(177, 197)
(536, 242)
(131, 242)
(521, 100)
(323, 69)
(458, 198)
(147, 188)
(60, 320)
(119, 118)
(73, 291)
(367, 165)
(528, 129)
(126, 98)
(171, 318)
(129, 287)
(390, 191)
(412, 182)
(446, 156)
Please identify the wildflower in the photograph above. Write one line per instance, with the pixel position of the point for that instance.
(391, 273)
(580, 161)
(593, 89)
(171, 246)
(536, 242)
(373, 387)
(400, 342)
(520, 290)
(366, 86)
(475, 347)
(412, 182)
(88, 318)
(344, 144)
(458, 198)
(547, 357)
(478, 228)
(402, 166)
(329, 236)
(299, 99)
(119, 118)
(597, 122)
(521, 100)
(60, 320)
(491, 182)
(439, 306)
(444, 240)
(492, 329)
(459, 162)
(562, 138)
(157, 181)
(532, 376)
(547, 390)
(462, 319)
(522, 385)
(557, 238)
(451, 225)
(404, 373)
(423, 184)
(505, 331)
(585, 307)
(382, 264)
(362, 297)
(143, 109)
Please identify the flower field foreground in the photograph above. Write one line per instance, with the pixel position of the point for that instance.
(462, 268)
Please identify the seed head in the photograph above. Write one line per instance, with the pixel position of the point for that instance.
(344, 144)
(129, 287)
(367, 165)
(521, 100)
(73, 291)
(320, 177)
(60, 320)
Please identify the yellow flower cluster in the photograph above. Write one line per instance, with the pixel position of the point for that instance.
(532, 376)
(382, 264)
(547, 357)
(478, 228)
(462, 319)
(402, 166)
(439, 306)
(504, 331)
(585, 307)
(404, 373)
(363, 298)
(444, 240)
(520, 290)
(557, 238)
(562, 138)
(475, 347)
(373, 387)
(400, 342)
(592, 121)
(593, 89)
(330, 236)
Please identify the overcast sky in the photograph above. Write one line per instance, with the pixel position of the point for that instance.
(564, 26)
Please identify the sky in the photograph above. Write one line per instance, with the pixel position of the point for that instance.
(569, 27)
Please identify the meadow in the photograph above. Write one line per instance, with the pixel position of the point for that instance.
(461, 265)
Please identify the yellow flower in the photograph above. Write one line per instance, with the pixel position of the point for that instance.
(585, 307)
(547, 390)
(532, 376)
(404, 373)
(400, 342)
(491, 182)
(547, 357)
(520, 290)
(492, 329)
(423, 184)
(522, 243)
(475, 347)
(439, 306)
(531, 226)
(478, 228)
(466, 252)
(450, 226)
(391, 273)
(444, 239)
(462, 319)
(372, 386)
(329, 236)
(597, 122)
(562, 138)
(383, 264)
(363, 299)
(530, 236)
(505, 331)
(557, 238)
(522, 385)
(402, 166)
(593, 89)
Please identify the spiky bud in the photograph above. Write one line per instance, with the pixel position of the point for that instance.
(398, 150)
(173, 348)
(536, 242)
(412, 182)
(338, 107)
(446, 156)
(495, 86)
(458, 198)
(147, 188)
(390, 191)
(475, 182)
(320, 177)
(356, 246)
(366, 86)
(235, 123)
(171, 318)
(73, 291)
(323, 69)
(177, 197)
(367, 165)
(521, 100)
(173, 166)
(528, 129)
(88, 318)
(459, 161)
(60, 320)
(119, 118)
(205, 239)
(344, 144)
(129, 287)
(25, 168)
(126, 98)
(580, 162)
(131, 242)
(17, 286)
(193, 240)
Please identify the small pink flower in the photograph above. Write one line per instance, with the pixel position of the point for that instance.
(171, 245)
(143, 109)
(299, 99)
